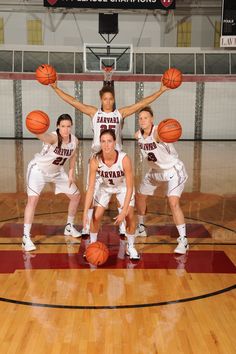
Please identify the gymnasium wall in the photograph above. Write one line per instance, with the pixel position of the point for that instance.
(141, 30)
(207, 102)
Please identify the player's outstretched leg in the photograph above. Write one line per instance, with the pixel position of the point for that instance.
(141, 205)
(179, 221)
(130, 234)
(70, 229)
(27, 243)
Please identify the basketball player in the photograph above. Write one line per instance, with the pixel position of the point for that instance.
(107, 118)
(115, 177)
(47, 166)
(165, 167)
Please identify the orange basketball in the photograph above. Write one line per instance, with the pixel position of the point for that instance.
(37, 122)
(46, 74)
(169, 130)
(97, 253)
(172, 78)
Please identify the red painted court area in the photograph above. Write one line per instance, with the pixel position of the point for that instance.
(195, 261)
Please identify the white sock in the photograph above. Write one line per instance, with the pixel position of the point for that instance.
(70, 220)
(141, 219)
(131, 239)
(93, 237)
(181, 230)
(27, 228)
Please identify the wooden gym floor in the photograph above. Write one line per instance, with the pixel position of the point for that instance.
(52, 301)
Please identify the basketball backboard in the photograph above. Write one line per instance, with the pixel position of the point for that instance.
(117, 56)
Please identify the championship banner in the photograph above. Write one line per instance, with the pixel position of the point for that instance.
(228, 24)
(113, 4)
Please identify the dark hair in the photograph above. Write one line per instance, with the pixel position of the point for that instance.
(110, 90)
(106, 89)
(111, 132)
(147, 109)
(62, 117)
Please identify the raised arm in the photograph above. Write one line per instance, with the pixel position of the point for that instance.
(84, 108)
(129, 110)
(93, 165)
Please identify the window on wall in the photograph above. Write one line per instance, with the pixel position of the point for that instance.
(184, 31)
(34, 32)
(1, 30)
(217, 34)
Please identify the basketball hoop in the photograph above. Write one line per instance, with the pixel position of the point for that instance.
(107, 72)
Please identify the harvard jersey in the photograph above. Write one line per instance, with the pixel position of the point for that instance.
(160, 156)
(101, 121)
(52, 158)
(114, 175)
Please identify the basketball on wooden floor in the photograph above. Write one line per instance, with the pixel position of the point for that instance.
(169, 130)
(37, 122)
(97, 253)
(46, 74)
(172, 78)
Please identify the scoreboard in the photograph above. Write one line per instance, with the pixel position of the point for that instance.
(228, 24)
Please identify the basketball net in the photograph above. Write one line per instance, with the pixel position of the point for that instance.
(107, 72)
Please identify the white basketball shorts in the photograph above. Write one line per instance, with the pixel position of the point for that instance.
(103, 194)
(174, 178)
(36, 181)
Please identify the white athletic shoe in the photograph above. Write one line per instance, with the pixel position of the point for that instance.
(141, 230)
(27, 244)
(183, 246)
(132, 252)
(70, 230)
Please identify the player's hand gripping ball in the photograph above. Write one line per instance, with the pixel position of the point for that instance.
(46, 74)
(37, 122)
(172, 78)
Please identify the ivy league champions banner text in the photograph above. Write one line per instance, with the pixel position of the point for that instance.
(113, 4)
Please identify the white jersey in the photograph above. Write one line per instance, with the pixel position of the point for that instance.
(160, 156)
(102, 120)
(113, 176)
(52, 158)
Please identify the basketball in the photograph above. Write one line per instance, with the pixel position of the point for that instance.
(46, 74)
(37, 122)
(172, 78)
(169, 130)
(97, 253)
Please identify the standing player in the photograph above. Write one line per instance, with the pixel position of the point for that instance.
(165, 166)
(107, 117)
(116, 177)
(47, 166)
